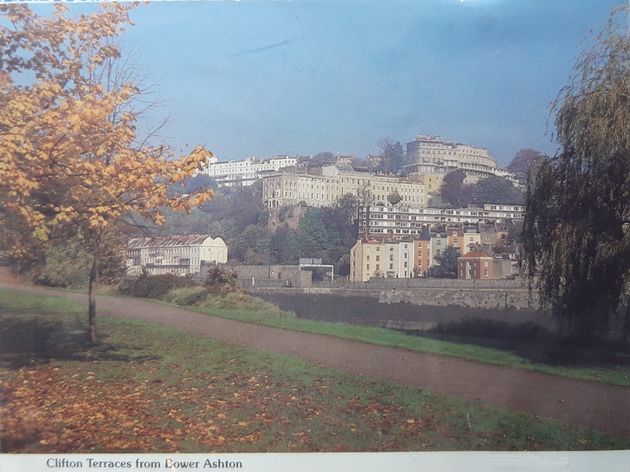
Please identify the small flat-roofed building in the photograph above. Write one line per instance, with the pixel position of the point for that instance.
(176, 254)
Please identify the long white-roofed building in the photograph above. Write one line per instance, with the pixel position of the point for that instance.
(247, 171)
(177, 254)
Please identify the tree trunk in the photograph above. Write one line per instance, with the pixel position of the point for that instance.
(92, 297)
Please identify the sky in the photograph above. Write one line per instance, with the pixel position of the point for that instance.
(263, 78)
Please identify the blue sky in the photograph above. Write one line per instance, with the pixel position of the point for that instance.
(264, 78)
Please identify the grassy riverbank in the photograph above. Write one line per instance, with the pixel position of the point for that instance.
(149, 388)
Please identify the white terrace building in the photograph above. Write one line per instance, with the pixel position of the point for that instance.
(180, 255)
(246, 171)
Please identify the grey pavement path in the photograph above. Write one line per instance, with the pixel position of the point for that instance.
(573, 402)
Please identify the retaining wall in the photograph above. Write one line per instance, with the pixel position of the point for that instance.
(486, 297)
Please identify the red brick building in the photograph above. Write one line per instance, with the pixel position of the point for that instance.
(477, 264)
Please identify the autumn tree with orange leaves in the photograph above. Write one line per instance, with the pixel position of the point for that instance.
(69, 153)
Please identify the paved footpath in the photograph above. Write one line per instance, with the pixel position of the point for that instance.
(574, 402)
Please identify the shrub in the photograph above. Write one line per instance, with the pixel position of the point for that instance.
(220, 280)
(239, 300)
(66, 265)
(153, 286)
(186, 296)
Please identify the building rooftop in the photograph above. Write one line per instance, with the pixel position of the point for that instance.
(174, 240)
(477, 253)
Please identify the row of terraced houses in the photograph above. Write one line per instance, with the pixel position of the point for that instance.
(486, 251)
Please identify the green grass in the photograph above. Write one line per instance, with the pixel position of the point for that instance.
(149, 388)
(15, 301)
(611, 374)
(253, 310)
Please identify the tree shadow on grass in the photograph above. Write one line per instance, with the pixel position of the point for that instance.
(531, 342)
(38, 339)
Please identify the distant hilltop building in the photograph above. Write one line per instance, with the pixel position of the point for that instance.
(432, 155)
(177, 254)
(247, 171)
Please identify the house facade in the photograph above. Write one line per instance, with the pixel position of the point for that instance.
(374, 259)
(177, 254)
(478, 265)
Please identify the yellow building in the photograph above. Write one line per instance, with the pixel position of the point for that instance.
(291, 188)
(373, 258)
(367, 258)
(431, 182)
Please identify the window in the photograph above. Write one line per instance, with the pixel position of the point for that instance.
(378, 258)
(391, 266)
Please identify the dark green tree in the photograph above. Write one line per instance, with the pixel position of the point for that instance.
(523, 160)
(320, 159)
(495, 189)
(454, 191)
(391, 157)
(394, 198)
(448, 264)
(576, 229)
(284, 246)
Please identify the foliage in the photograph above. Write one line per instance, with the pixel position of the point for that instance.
(67, 265)
(186, 296)
(493, 189)
(391, 157)
(394, 198)
(220, 280)
(447, 267)
(64, 262)
(320, 159)
(284, 246)
(327, 233)
(153, 286)
(523, 160)
(70, 154)
(577, 238)
(240, 301)
(454, 191)
(251, 246)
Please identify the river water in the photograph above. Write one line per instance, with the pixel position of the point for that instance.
(367, 310)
